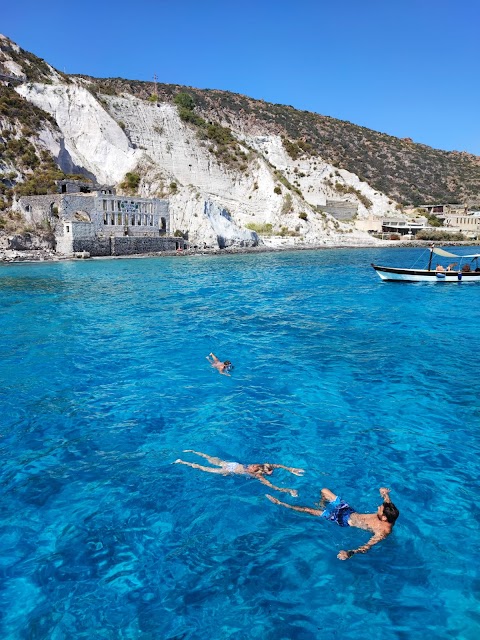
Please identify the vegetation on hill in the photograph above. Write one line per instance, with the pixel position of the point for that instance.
(34, 68)
(222, 143)
(25, 168)
(410, 173)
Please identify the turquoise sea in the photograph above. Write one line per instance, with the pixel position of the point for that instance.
(104, 383)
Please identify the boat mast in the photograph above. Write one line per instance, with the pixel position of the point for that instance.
(431, 256)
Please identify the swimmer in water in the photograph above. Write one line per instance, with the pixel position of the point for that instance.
(257, 471)
(223, 367)
(379, 523)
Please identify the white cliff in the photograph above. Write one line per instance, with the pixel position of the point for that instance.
(213, 202)
(93, 140)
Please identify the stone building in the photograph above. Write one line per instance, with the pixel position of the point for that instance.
(100, 222)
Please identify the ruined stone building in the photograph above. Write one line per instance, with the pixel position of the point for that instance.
(98, 221)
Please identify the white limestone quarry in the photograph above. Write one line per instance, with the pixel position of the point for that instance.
(174, 153)
(209, 200)
(92, 139)
(315, 178)
(209, 224)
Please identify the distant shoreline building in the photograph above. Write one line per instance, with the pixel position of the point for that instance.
(456, 217)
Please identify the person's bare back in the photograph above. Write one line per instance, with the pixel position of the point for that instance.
(222, 367)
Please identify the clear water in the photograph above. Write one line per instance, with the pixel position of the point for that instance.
(364, 384)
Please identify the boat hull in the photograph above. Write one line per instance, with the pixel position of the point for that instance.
(423, 275)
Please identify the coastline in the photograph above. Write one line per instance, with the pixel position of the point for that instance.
(49, 255)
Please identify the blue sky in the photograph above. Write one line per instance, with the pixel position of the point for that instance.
(408, 68)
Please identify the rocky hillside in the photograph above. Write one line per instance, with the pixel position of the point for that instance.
(217, 156)
(409, 173)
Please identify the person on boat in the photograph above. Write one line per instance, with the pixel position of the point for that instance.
(380, 523)
(257, 471)
(223, 367)
(440, 268)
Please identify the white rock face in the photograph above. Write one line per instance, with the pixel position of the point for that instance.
(209, 200)
(14, 68)
(92, 138)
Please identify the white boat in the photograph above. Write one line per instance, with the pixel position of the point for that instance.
(465, 269)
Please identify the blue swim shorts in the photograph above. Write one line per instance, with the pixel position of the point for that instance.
(338, 511)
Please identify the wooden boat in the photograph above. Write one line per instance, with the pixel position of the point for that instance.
(465, 269)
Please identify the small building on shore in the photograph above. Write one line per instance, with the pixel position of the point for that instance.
(403, 227)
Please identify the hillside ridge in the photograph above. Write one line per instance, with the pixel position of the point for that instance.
(214, 155)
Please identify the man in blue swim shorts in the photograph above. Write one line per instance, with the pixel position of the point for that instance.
(336, 510)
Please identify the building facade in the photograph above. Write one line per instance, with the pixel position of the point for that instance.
(456, 217)
(100, 222)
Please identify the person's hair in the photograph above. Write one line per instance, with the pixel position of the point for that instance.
(263, 468)
(390, 511)
(227, 362)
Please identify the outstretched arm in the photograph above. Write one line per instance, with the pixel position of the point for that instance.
(297, 472)
(378, 537)
(263, 480)
(313, 512)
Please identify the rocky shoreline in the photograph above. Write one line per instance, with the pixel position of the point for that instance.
(15, 256)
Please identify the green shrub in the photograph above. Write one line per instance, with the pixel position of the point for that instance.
(173, 187)
(190, 116)
(285, 231)
(303, 216)
(185, 101)
(277, 190)
(433, 221)
(41, 183)
(130, 182)
(435, 235)
(291, 148)
(344, 188)
(287, 204)
(281, 178)
(265, 229)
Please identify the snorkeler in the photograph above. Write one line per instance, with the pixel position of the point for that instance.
(380, 523)
(223, 367)
(257, 471)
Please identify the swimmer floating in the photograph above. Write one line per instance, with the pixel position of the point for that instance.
(257, 471)
(380, 523)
